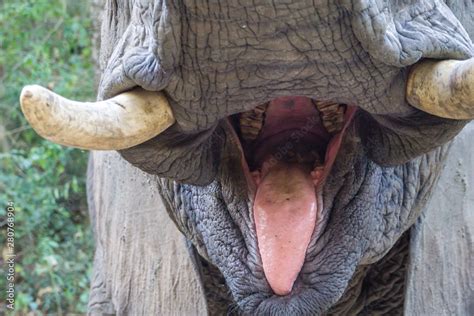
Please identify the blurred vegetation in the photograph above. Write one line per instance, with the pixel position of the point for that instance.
(46, 42)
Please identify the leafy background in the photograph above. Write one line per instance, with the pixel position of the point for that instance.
(46, 42)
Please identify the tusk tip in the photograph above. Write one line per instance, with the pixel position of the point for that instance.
(30, 93)
(26, 93)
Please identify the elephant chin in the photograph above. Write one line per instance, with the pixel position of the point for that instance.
(290, 145)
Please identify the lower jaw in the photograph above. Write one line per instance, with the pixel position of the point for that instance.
(287, 210)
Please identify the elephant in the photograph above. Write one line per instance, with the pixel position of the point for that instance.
(292, 143)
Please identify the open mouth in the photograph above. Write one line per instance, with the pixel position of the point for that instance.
(290, 145)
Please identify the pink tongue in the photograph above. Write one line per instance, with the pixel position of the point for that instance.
(285, 210)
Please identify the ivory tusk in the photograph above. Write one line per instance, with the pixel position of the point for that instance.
(443, 88)
(126, 120)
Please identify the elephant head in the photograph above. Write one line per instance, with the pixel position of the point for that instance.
(305, 136)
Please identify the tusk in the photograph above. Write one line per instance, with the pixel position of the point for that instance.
(126, 120)
(443, 88)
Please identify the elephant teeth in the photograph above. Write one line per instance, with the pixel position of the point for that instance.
(251, 122)
(332, 115)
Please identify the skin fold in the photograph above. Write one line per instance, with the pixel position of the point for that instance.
(214, 59)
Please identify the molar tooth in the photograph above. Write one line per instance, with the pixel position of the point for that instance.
(332, 115)
(251, 122)
(256, 124)
(332, 127)
(326, 106)
(249, 131)
(260, 109)
(330, 109)
(323, 103)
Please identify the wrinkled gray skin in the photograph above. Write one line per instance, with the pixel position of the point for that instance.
(217, 58)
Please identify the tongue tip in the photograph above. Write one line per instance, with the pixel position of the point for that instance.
(282, 289)
(282, 274)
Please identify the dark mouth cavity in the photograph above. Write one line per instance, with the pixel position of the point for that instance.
(292, 129)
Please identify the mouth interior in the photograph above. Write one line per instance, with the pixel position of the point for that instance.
(290, 145)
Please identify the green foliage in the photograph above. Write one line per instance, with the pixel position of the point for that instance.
(46, 42)
(53, 243)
